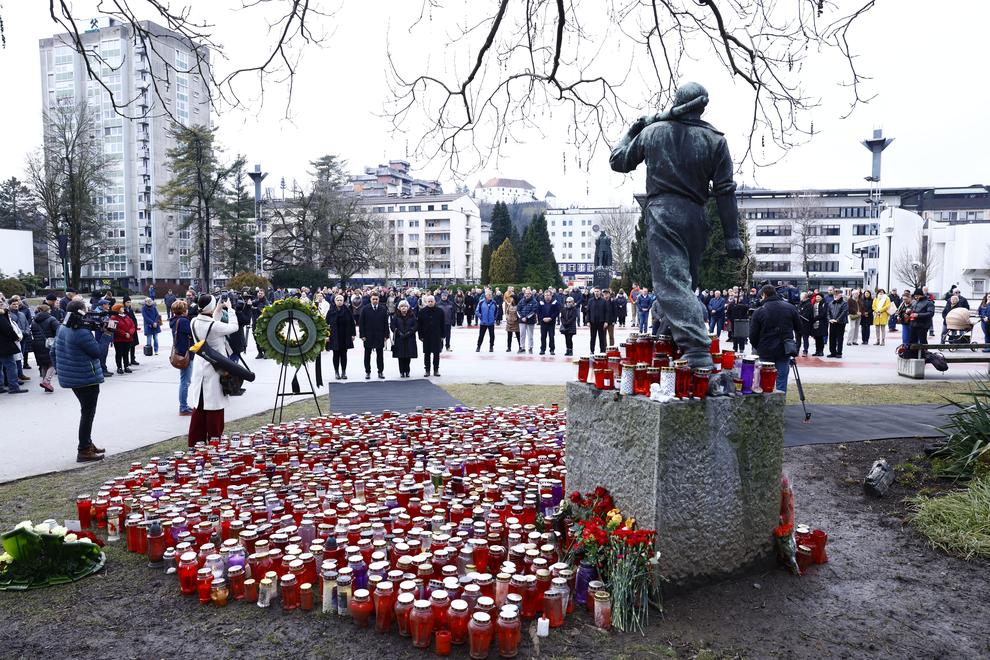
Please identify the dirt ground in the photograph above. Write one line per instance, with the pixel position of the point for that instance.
(883, 594)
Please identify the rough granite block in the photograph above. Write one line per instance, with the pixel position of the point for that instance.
(704, 474)
(911, 368)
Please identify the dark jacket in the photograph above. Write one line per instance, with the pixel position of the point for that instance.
(43, 327)
(430, 325)
(716, 308)
(773, 322)
(549, 310)
(621, 305)
(528, 309)
(922, 312)
(838, 311)
(181, 334)
(152, 319)
(447, 307)
(169, 299)
(129, 312)
(486, 312)
(568, 320)
(866, 310)
(601, 310)
(819, 319)
(404, 336)
(373, 326)
(645, 301)
(77, 357)
(8, 336)
(342, 328)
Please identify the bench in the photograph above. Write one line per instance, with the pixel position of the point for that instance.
(915, 367)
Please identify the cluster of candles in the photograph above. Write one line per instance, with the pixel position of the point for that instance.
(426, 521)
(810, 547)
(634, 366)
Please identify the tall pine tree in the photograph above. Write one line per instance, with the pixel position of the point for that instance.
(540, 267)
(504, 263)
(640, 271)
(486, 262)
(501, 225)
(236, 240)
(717, 270)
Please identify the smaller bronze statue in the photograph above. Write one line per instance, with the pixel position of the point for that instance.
(603, 251)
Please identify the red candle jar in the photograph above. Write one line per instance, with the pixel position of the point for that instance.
(641, 380)
(251, 590)
(702, 376)
(818, 541)
(204, 585)
(306, 596)
(100, 506)
(615, 364)
(480, 635)
(804, 558)
(599, 361)
(715, 347)
(403, 609)
(384, 606)
(440, 603)
(728, 360)
(361, 607)
(661, 360)
(593, 587)
(583, 364)
(603, 379)
(443, 642)
(665, 344)
(290, 592)
(458, 618)
(508, 632)
(187, 573)
(768, 377)
(613, 352)
(682, 379)
(652, 376)
(421, 624)
(84, 509)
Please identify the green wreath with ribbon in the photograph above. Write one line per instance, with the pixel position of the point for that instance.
(292, 331)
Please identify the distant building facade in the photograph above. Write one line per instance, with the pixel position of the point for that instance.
(392, 180)
(847, 242)
(142, 243)
(508, 191)
(573, 232)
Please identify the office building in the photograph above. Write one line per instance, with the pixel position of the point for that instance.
(141, 243)
(573, 232)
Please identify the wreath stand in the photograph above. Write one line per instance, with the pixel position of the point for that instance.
(283, 376)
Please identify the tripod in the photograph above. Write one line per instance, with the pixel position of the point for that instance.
(283, 375)
(797, 379)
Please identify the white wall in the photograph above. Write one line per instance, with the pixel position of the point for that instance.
(16, 252)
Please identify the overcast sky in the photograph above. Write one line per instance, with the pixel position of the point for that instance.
(927, 66)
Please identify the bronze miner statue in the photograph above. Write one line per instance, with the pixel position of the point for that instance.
(687, 161)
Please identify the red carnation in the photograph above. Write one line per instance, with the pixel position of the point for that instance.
(600, 492)
(576, 497)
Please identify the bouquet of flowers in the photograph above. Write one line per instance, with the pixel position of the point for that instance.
(623, 555)
(46, 554)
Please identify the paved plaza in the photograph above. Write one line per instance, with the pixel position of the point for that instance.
(142, 408)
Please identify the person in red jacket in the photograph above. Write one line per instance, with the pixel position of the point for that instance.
(124, 332)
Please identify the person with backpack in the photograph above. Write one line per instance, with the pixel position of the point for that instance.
(181, 358)
(44, 327)
(205, 389)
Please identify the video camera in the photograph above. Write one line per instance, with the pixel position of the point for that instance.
(94, 320)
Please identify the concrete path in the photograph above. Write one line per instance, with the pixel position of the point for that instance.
(39, 429)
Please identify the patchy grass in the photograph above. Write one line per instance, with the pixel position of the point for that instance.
(478, 395)
(958, 522)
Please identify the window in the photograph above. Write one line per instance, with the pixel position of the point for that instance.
(979, 287)
(414, 223)
(823, 230)
(417, 207)
(402, 209)
(773, 266)
(823, 248)
(823, 267)
(443, 207)
(390, 209)
(773, 248)
(429, 207)
(872, 251)
(773, 230)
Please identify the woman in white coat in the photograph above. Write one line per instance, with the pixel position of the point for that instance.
(204, 385)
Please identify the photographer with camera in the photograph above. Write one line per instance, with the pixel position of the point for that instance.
(77, 354)
(774, 333)
(204, 386)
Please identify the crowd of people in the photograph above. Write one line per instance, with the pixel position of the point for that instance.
(412, 321)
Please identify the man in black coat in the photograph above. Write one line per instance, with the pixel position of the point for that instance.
(257, 307)
(431, 326)
(774, 322)
(373, 329)
(599, 312)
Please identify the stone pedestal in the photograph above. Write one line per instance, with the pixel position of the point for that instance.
(602, 278)
(704, 474)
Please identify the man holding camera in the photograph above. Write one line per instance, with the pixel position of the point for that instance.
(774, 323)
(77, 353)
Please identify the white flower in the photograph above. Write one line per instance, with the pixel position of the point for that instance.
(42, 529)
(69, 538)
(59, 530)
(25, 524)
(84, 540)
(5, 558)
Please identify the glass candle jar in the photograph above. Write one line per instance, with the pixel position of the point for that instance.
(156, 544)
(443, 643)
(652, 377)
(501, 588)
(747, 373)
(219, 592)
(421, 624)
(628, 378)
(682, 379)
(361, 607)
(584, 364)
(290, 592)
(344, 588)
(593, 587)
(251, 590)
(714, 348)
(187, 573)
(384, 599)
(266, 589)
(599, 361)
(585, 574)
(458, 618)
(603, 379)
(306, 596)
(100, 506)
(480, 635)
(667, 381)
(440, 602)
(700, 380)
(553, 607)
(204, 584)
(235, 577)
(84, 509)
(603, 610)
(508, 632)
(728, 360)
(641, 384)
(615, 365)
(113, 523)
(329, 591)
(768, 377)
(403, 608)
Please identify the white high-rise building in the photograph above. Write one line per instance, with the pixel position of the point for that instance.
(142, 244)
(573, 232)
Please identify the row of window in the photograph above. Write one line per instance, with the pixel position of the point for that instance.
(569, 234)
(812, 212)
(786, 267)
(957, 216)
(570, 222)
(403, 209)
(872, 229)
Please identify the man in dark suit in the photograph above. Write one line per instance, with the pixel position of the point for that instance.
(373, 328)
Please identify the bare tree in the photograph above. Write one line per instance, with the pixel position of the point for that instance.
(806, 213)
(529, 58)
(619, 224)
(68, 178)
(917, 264)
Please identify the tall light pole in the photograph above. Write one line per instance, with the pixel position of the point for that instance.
(257, 176)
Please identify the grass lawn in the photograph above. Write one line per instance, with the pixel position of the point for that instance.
(476, 395)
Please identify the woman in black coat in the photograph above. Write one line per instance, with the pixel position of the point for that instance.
(430, 325)
(568, 324)
(44, 326)
(818, 323)
(340, 323)
(404, 337)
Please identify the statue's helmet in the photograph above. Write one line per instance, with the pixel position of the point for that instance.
(688, 92)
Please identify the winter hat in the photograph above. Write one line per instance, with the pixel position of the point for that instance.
(919, 292)
(51, 296)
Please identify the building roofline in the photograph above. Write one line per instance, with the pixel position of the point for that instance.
(365, 201)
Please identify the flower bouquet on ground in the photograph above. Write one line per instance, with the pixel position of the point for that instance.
(46, 554)
(624, 556)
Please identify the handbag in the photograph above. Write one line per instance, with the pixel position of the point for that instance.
(176, 360)
(148, 351)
